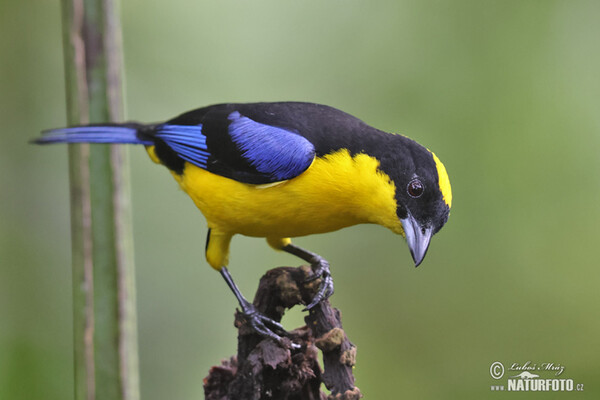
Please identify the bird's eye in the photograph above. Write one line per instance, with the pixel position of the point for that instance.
(415, 188)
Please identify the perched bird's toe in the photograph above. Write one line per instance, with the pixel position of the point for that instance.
(325, 289)
(264, 325)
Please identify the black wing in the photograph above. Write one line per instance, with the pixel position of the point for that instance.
(224, 140)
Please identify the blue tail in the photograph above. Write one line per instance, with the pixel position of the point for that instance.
(94, 134)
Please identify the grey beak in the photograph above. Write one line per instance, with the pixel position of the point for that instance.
(417, 238)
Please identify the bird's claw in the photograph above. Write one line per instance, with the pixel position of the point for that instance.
(321, 270)
(265, 326)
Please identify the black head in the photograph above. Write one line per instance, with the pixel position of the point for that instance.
(423, 194)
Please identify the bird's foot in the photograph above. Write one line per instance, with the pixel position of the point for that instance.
(265, 326)
(320, 268)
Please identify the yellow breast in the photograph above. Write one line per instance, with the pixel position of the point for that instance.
(336, 191)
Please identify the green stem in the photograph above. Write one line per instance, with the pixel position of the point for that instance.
(103, 270)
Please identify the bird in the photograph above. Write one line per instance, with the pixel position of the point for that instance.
(281, 170)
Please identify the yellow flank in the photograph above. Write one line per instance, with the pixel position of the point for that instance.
(338, 190)
(152, 154)
(443, 181)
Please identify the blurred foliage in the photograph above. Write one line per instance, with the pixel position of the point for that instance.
(506, 93)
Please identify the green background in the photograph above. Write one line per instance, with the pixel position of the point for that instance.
(507, 93)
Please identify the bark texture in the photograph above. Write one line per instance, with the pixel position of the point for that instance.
(264, 369)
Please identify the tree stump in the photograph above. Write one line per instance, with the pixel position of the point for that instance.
(264, 369)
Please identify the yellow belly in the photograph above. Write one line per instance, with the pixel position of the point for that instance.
(337, 190)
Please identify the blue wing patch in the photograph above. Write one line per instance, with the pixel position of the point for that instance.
(271, 150)
(187, 141)
(275, 154)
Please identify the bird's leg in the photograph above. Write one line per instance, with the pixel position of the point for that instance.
(261, 324)
(320, 268)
